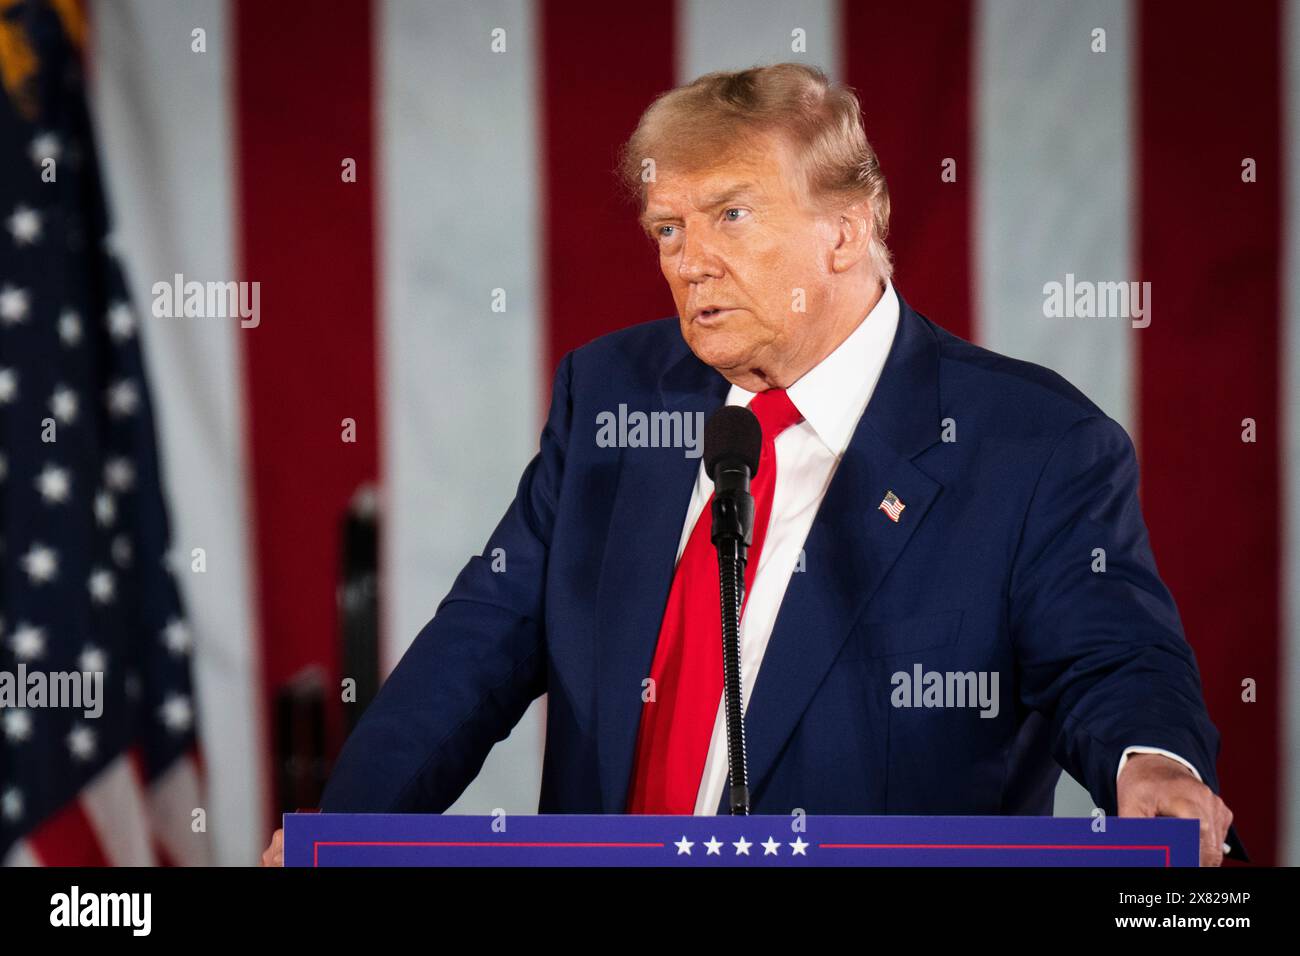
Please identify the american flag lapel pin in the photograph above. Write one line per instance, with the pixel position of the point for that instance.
(892, 506)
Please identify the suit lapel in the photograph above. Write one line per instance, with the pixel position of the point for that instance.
(654, 492)
(851, 545)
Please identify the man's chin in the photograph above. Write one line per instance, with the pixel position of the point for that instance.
(723, 361)
(722, 350)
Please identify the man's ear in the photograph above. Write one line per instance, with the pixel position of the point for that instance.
(853, 228)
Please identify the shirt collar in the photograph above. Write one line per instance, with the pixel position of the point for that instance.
(833, 394)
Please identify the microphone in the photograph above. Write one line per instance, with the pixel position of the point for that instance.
(733, 441)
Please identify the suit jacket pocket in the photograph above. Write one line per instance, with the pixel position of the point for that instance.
(888, 636)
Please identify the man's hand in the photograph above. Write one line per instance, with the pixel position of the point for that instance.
(1152, 785)
(273, 855)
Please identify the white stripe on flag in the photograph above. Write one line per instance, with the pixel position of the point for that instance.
(164, 127)
(1045, 207)
(20, 854)
(708, 37)
(1053, 122)
(114, 804)
(1289, 405)
(459, 187)
(173, 798)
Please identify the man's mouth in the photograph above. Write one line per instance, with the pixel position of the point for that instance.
(711, 314)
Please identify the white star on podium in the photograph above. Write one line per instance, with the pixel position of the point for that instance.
(770, 847)
(714, 845)
(799, 846)
(683, 846)
(742, 846)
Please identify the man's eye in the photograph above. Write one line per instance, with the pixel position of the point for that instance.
(663, 234)
(740, 213)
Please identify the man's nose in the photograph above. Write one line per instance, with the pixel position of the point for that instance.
(698, 260)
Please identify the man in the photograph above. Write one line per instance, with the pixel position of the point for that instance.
(923, 507)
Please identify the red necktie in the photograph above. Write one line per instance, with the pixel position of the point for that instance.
(677, 726)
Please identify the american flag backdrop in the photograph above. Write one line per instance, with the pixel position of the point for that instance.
(86, 585)
(428, 301)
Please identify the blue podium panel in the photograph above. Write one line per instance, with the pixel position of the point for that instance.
(350, 839)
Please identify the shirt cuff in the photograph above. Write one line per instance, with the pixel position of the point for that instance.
(1152, 750)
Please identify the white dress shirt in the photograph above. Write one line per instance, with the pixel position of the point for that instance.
(832, 397)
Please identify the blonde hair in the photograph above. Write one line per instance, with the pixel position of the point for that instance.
(820, 120)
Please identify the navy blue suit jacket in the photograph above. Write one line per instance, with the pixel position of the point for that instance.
(990, 568)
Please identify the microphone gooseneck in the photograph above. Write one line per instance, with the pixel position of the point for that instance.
(733, 442)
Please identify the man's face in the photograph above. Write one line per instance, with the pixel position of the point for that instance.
(740, 238)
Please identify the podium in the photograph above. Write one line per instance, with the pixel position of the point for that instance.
(355, 839)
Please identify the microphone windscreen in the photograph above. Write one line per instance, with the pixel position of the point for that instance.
(732, 433)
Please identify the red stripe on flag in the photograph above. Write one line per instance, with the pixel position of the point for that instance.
(307, 236)
(913, 77)
(1209, 246)
(135, 756)
(602, 64)
(200, 768)
(68, 839)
